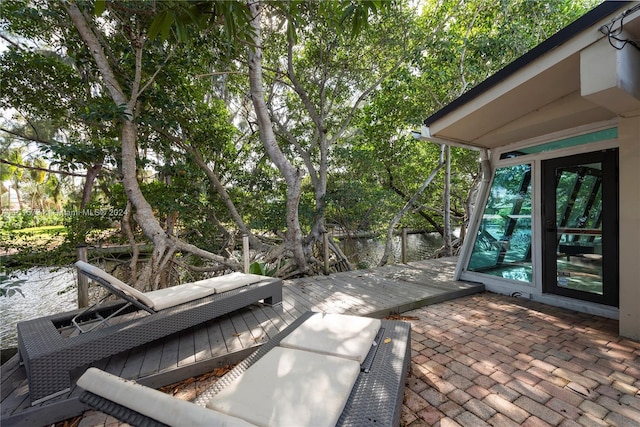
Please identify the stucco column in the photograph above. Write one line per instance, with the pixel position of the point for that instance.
(629, 137)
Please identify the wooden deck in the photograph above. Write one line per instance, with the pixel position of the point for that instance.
(374, 292)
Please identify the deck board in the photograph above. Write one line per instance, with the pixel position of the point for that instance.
(134, 362)
(186, 349)
(151, 362)
(230, 338)
(202, 346)
(216, 338)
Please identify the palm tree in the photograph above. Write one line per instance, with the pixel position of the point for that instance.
(36, 195)
(53, 191)
(16, 173)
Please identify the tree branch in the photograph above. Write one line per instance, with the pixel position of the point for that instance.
(313, 113)
(463, 80)
(220, 73)
(94, 45)
(35, 168)
(407, 206)
(361, 98)
(420, 210)
(27, 137)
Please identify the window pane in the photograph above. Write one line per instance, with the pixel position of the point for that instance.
(503, 243)
(588, 138)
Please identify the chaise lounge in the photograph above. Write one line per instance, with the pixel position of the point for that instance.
(49, 357)
(322, 370)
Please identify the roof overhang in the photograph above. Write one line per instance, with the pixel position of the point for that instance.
(575, 78)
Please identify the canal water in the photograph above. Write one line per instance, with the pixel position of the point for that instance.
(45, 292)
(49, 292)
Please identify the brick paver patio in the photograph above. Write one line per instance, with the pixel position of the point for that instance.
(495, 360)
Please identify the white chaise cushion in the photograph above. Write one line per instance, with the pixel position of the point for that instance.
(153, 403)
(335, 334)
(115, 282)
(288, 387)
(176, 295)
(231, 281)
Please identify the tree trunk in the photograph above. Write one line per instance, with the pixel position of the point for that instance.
(164, 245)
(16, 188)
(218, 187)
(389, 244)
(292, 176)
(447, 204)
(92, 174)
(143, 211)
(321, 188)
(224, 195)
(437, 227)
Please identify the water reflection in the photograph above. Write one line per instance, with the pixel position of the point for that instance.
(45, 292)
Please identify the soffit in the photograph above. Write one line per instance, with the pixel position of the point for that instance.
(542, 97)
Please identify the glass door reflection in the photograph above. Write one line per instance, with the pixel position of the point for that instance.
(580, 221)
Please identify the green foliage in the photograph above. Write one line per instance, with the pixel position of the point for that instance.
(198, 104)
(358, 13)
(26, 218)
(35, 247)
(177, 20)
(51, 80)
(465, 43)
(358, 204)
(90, 223)
(457, 46)
(261, 269)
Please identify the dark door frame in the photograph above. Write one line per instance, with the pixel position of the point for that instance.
(608, 218)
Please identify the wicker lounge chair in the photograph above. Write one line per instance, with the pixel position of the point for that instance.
(303, 376)
(49, 357)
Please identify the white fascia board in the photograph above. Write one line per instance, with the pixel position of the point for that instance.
(426, 135)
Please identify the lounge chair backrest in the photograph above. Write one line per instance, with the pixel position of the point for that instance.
(116, 283)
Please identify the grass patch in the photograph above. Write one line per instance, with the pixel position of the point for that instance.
(28, 247)
(47, 229)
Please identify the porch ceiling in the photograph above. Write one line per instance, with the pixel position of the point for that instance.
(546, 103)
(540, 97)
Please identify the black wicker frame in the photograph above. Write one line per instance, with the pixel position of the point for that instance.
(50, 357)
(376, 397)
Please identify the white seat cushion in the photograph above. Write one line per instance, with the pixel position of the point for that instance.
(231, 281)
(153, 403)
(176, 295)
(335, 334)
(289, 387)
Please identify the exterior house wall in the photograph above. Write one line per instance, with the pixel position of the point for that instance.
(629, 137)
(534, 290)
(610, 78)
(579, 82)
